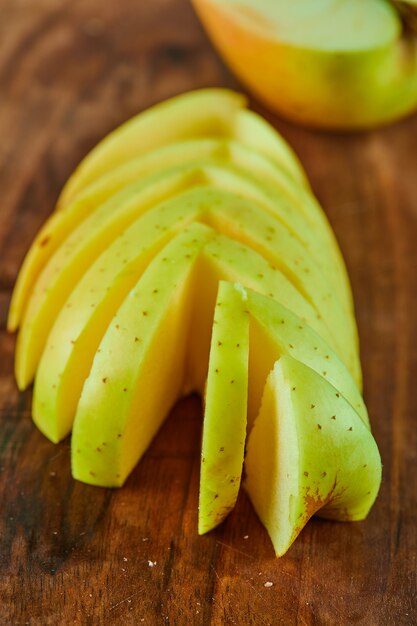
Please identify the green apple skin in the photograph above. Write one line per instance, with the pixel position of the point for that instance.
(276, 331)
(309, 82)
(224, 430)
(142, 352)
(273, 332)
(308, 453)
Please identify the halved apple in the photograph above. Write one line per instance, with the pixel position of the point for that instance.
(325, 63)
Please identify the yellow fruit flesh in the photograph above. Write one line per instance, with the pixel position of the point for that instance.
(272, 448)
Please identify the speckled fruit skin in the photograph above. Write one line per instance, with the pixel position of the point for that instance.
(189, 254)
(308, 453)
(336, 91)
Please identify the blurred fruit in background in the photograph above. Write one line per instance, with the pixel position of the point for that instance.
(336, 64)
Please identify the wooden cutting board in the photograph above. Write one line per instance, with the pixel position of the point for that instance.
(74, 554)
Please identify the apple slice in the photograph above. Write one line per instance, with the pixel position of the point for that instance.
(201, 113)
(308, 453)
(326, 63)
(138, 370)
(273, 331)
(224, 432)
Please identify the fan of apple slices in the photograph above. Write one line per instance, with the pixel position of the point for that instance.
(187, 253)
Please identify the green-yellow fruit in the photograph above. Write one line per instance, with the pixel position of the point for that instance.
(138, 370)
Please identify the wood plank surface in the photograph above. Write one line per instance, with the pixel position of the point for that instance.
(72, 554)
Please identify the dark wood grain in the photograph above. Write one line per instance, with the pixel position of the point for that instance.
(73, 554)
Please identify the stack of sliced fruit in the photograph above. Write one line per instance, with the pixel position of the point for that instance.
(187, 252)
